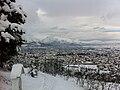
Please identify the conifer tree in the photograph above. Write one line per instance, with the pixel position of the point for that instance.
(11, 18)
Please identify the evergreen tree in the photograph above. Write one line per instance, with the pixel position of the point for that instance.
(11, 18)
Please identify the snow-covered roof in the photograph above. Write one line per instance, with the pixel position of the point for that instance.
(17, 70)
(89, 66)
(82, 66)
(101, 71)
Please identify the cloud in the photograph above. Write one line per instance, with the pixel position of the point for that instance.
(112, 30)
(74, 27)
(80, 19)
(40, 12)
(58, 28)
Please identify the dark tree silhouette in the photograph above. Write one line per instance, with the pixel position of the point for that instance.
(11, 18)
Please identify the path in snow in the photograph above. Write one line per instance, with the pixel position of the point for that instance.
(30, 83)
(47, 82)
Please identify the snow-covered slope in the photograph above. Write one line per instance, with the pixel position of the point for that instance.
(47, 82)
(42, 82)
(5, 83)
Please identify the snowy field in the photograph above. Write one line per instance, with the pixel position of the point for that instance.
(47, 82)
(5, 83)
(42, 82)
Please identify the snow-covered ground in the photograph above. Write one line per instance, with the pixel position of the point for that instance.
(96, 85)
(47, 82)
(42, 82)
(5, 83)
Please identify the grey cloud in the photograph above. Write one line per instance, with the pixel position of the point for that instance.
(74, 7)
(69, 9)
(63, 28)
(58, 28)
(54, 28)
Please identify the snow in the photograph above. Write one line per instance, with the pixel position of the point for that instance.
(89, 66)
(7, 36)
(17, 69)
(42, 82)
(16, 27)
(6, 8)
(101, 71)
(65, 85)
(47, 82)
(3, 25)
(9, 7)
(3, 17)
(78, 67)
(0, 7)
(97, 84)
(51, 39)
(8, 1)
(5, 83)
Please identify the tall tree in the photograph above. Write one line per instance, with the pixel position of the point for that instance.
(11, 18)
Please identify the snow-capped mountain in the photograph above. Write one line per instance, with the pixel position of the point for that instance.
(101, 42)
(51, 39)
(58, 41)
(78, 41)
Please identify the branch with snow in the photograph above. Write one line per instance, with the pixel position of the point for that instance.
(11, 17)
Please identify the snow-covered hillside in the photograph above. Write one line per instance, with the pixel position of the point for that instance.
(42, 82)
(5, 83)
(47, 82)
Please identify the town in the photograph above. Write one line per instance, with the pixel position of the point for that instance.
(87, 65)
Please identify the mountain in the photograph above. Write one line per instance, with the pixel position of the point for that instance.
(63, 42)
(51, 41)
(59, 40)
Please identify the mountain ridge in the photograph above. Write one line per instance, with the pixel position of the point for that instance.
(56, 41)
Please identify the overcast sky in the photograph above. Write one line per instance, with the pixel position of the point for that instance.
(72, 19)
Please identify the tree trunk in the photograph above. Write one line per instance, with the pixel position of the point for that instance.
(1, 63)
(1, 60)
